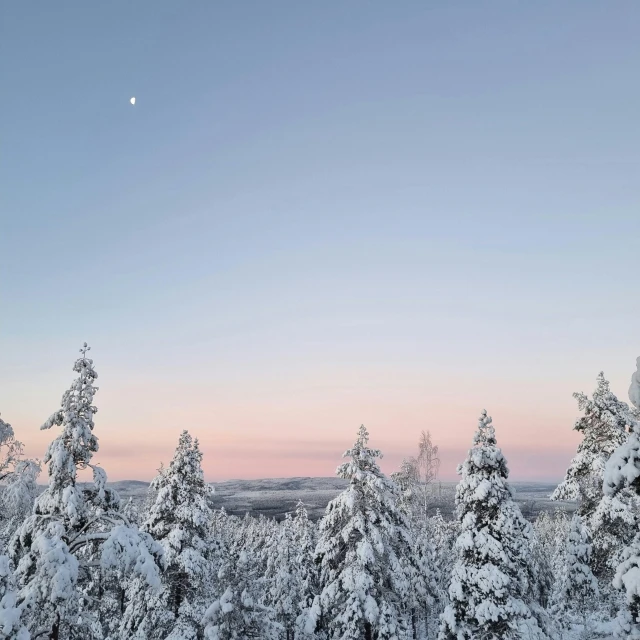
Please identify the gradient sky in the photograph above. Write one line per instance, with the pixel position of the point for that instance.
(318, 214)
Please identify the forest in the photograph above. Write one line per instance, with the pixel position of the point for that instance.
(78, 563)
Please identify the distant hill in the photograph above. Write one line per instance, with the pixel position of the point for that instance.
(273, 497)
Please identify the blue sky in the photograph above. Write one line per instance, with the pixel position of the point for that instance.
(369, 212)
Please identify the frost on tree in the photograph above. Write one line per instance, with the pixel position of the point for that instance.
(237, 612)
(10, 450)
(365, 554)
(291, 578)
(416, 477)
(611, 521)
(284, 582)
(19, 477)
(434, 541)
(11, 625)
(308, 578)
(548, 553)
(67, 550)
(489, 583)
(179, 519)
(604, 428)
(622, 474)
(578, 589)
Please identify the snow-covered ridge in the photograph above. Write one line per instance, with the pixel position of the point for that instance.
(275, 497)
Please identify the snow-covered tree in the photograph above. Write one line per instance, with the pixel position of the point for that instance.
(489, 584)
(551, 531)
(611, 521)
(291, 578)
(634, 388)
(428, 463)
(10, 450)
(179, 519)
(304, 537)
(604, 428)
(58, 550)
(365, 554)
(407, 480)
(577, 589)
(441, 534)
(416, 477)
(284, 593)
(131, 512)
(19, 477)
(622, 474)
(236, 613)
(18, 496)
(11, 625)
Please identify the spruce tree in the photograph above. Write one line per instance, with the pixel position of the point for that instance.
(19, 477)
(423, 598)
(578, 589)
(365, 554)
(622, 473)
(611, 521)
(551, 531)
(441, 534)
(179, 520)
(304, 537)
(489, 584)
(284, 592)
(75, 536)
(11, 625)
(237, 611)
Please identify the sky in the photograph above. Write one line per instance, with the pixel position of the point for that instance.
(318, 215)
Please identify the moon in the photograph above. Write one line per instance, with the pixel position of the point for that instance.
(133, 100)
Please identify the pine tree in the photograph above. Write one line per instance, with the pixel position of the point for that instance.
(604, 428)
(179, 520)
(551, 531)
(489, 583)
(237, 612)
(58, 550)
(364, 550)
(11, 625)
(284, 593)
(622, 474)
(19, 476)
(578, 589)
(304, 537)
(441, 534)
(424, 591)
(131, 512)
(611, 522)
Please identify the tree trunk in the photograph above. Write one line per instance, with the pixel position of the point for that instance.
(178, 600)
(368, 631)
(55, 630)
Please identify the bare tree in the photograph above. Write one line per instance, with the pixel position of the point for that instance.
(416, 477)
(428, 465)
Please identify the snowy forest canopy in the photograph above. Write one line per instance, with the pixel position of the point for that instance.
(76, 563)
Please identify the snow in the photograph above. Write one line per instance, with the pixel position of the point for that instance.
(80, 563)
(634, 389)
